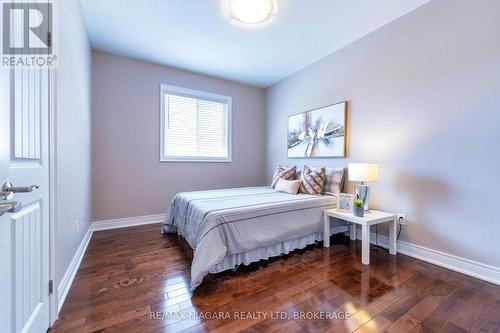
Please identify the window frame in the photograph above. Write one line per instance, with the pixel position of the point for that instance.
(203, 95)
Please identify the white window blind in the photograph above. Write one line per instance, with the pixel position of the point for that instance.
(195, 125)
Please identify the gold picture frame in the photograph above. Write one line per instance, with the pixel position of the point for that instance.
(319, 133)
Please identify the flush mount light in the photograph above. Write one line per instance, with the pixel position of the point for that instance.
(252, 11)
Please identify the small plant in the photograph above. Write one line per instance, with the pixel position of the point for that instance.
(358, 208)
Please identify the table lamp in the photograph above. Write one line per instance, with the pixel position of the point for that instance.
(363, 172)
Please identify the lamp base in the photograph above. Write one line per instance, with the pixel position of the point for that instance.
(363, 193)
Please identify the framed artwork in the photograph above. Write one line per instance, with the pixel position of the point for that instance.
(318, 133)
(345, 202)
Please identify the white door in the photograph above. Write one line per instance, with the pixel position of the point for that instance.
(24, 235)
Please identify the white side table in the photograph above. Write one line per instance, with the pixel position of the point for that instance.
(371, 217)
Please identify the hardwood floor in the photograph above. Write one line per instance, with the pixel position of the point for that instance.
(135, 280)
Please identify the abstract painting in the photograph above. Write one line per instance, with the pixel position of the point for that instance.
(318, 133)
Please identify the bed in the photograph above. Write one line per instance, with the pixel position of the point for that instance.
(229, 227)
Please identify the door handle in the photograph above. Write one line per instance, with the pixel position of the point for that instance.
(10, 207)
(7, 187)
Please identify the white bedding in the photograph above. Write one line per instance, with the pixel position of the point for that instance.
(243, 225)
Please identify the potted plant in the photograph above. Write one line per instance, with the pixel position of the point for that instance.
(359, 209)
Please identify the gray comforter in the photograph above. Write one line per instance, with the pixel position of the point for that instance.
(221, 223)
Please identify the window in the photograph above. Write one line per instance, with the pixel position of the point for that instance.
(195, 126)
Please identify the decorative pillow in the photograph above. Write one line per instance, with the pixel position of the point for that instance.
(334, 181)
(286, 173)
(313, 180)
(288, 186)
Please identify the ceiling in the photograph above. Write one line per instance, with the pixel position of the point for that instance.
(198, 35)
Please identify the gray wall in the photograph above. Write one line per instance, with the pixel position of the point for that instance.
(73, 179)
(128, 178)
(425, 106)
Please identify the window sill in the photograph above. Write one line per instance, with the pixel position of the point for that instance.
(195, 160)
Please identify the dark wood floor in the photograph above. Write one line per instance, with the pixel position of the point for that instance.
(135, 280)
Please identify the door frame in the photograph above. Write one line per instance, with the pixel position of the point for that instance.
(54, 296)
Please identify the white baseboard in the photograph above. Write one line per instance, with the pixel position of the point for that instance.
(446, 260)
(458, 264)
(127, 222)
(67, 280)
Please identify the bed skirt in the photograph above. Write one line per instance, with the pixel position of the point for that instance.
(264, 253)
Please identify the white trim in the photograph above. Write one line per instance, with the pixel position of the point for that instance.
(461, 265)
(127, 222)
(54, 297)
(67, 280)
(69, 276)
(198, 94)
(465, 266)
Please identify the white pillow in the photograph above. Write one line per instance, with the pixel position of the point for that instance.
(334, 180)
(288, 186)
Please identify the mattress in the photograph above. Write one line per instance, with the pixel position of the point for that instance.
(228, 227)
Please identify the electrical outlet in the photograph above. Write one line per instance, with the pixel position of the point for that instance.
(401, 219)
(76, 227)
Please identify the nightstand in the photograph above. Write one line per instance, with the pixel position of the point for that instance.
(372, 217)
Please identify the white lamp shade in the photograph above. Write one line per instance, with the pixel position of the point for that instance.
(363, 172)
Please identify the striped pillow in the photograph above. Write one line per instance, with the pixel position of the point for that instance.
(286, 173)
(313, 180)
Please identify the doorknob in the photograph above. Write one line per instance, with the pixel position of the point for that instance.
(10, 207)
(8, 190)
(6, 195)
(7, 187)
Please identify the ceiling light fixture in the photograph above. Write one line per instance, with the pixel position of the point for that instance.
(252, 11)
